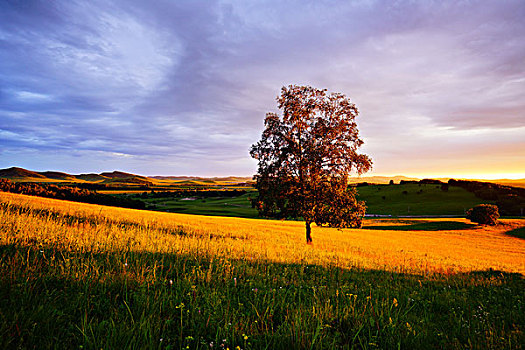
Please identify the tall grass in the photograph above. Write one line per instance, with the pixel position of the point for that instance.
(76, 275)
(384, 244)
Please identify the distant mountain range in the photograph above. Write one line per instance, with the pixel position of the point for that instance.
(115, 177)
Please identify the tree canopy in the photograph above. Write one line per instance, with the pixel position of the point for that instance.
(485, 214)
(305, 157)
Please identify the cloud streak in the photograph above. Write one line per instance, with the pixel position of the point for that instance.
(182, 87)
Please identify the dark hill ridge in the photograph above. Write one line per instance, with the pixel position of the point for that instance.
(121, 175)
(91, 177)
(56, 175)
(108, 177)
(15, 172)
(128, 180)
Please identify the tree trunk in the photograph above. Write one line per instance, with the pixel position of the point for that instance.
(308, 233)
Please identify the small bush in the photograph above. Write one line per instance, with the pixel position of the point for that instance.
(485, 214)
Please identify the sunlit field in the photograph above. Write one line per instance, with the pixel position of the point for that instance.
(103, 277)
(412, 246)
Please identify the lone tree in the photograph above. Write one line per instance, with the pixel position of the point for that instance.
(485, 214)
(305, 158)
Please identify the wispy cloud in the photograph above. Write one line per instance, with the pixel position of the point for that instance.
(182, 87)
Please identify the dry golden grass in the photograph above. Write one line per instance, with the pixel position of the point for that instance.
(107, 228)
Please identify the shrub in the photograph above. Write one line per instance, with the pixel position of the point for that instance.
(485, 214)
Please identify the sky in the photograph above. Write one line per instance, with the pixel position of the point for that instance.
(171, 87)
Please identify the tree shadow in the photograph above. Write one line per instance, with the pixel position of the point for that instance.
(518, 233)
(425, 226)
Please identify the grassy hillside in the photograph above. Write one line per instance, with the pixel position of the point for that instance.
(417, 199)
(77, 275)
(119, 178)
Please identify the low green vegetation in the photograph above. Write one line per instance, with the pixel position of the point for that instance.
(418, 225)
(519, 233)
(239, 206)
(417, 199)
(118, 300)
(395, 200)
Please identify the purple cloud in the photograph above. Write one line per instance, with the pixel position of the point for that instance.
(182, 87)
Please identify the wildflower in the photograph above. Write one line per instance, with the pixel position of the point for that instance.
(171, 282)
(395, 302)
(245, 337)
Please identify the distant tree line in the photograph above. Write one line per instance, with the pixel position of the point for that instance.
(201, 193)
(102, 186)
(422, 182)
(69, 193)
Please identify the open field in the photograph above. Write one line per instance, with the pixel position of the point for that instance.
(239, 206)
(417, 199)
(102, 277)
(408, 246)
(395, 200)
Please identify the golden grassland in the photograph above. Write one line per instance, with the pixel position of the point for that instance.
(99, 228)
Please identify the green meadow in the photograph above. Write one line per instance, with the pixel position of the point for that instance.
(130, 300)
(417, 199)
(395, 200)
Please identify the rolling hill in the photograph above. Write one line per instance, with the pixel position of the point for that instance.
(120, 177)
(56, 175)
(19, 173)
(115, 177)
